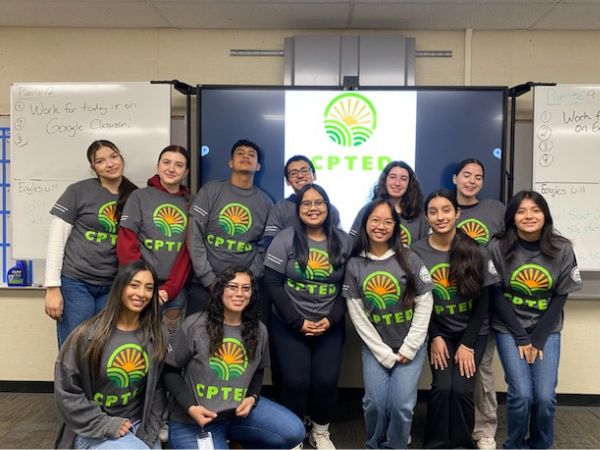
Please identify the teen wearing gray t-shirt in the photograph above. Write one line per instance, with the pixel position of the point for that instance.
(227, 221)
(214, 370)
(538, 271)
(81, 260)
(461, 273)
(388, 293)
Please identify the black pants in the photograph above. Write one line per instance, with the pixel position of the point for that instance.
(450, 410)
(309, 368)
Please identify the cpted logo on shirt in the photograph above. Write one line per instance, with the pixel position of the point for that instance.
(318, 266)
(476, 230)
(127, 365)
(230, 361)
(107, 216)
(381, 289)
(235, 219)
(169, 219)
(350, 119)
(443, 286)
(530, 279)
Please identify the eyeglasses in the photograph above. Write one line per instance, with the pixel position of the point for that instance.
(307, 204)
(295, 172)
(232, 287)
(376, 221)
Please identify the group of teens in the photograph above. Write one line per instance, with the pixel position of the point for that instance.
(449, 278)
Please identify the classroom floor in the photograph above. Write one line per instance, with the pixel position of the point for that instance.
(29, 421)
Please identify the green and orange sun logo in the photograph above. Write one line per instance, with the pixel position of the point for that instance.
(405, 236)
(350, 119)
(230, 361)
(443, 286)
(169, 219)
(235, 219)
(530, 279)
(107, 216)
(476, 230)
(381, 289)
(127, 365)
(318, 266)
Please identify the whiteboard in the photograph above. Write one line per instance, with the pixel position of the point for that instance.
(566, 163)
(52, 125)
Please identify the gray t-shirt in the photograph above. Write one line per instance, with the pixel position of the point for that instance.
(160, 221)
(219, 382)
(381, 285)
(411, 230)
(282, 216)
(481, 221)
(124, 367)
(90, 252)
(314, 290)
(226, 228)
(451, 311)
(530, 280)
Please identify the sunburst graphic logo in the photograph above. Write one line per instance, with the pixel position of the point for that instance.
(235, 219)
(531, 278)
(169, 219)
(127, 365)
(405, 236)
(476, 230)
(230, 361)
(107, 216)
(350, 119)
(318, 266)
(381, 289)
(443, 286)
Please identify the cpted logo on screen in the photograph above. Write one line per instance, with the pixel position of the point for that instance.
(230, 361)
(107, 216)
(350, 119)
(530, 279)
(318, 266)
(127, 365)
(169, 219)
(476, 230)
(235, 219)
(381, 289)
(443, 287)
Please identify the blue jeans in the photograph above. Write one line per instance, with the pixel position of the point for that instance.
(389, 400)
(130, 440)
(531, 399)
(269, 425)
(81, 301)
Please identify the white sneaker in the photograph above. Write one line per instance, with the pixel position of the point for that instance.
(163, 434)
(320, 439)
(486, 443)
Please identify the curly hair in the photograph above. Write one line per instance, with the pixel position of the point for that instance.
(411, 203)
(216, 313)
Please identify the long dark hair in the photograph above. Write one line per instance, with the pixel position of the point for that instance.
(334, 245)
(467, 265)
(411, 203)
(362, 244)
(126, 187)
(216, 313)
(550, 240)
(105, 322)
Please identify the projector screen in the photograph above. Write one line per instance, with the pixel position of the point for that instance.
(350, 136)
